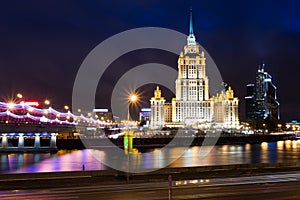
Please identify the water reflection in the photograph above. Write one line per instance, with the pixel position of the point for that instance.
(72, 160)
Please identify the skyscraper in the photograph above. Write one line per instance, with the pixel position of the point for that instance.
(261, 101)
(192, 94)
(192, 105)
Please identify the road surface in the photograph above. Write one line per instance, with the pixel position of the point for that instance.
(280, 186)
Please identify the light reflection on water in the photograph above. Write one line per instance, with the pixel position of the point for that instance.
(72, 160)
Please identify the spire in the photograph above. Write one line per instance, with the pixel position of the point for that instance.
(157, 93)
(261, 68)
(191, 22)
(191, 40)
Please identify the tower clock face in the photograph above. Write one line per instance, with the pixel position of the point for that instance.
(192, 50)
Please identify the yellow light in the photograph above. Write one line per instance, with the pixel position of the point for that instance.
(133, 98)
(47, 102)
(66, 107)
(20, 96)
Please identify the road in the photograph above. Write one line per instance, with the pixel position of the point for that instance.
(280, 186)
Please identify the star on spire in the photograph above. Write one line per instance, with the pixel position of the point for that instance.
(191, 40)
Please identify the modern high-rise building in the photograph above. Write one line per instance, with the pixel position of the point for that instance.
(261, 99)
(192, 105)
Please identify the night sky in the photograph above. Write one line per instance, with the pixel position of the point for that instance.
(43, 43)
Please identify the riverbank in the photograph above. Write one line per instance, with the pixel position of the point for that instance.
(143, 142)
(157, 142)
(89, 178)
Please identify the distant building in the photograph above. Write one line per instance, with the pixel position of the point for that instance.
(225, 109)
(168, 112)
(144, 117)
(192, 105)
(157, 110)
(145, 114)
(103, 114)
(262, 105)
(249, 102)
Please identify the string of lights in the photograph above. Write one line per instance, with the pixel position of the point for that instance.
(10, 112)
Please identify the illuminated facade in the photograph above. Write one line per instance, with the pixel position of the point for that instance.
(157, 103)
(192, 105)
(225, 109)
(192, 96)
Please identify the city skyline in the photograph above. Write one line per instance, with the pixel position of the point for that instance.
(43, 44)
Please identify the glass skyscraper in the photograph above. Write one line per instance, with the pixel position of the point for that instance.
(261, 99)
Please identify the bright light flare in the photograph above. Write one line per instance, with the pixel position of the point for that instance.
(10, 105)
(133, 98)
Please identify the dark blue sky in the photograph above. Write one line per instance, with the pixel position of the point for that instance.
(42, 43)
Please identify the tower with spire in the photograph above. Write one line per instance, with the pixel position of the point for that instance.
(192, 105)
(192, 89)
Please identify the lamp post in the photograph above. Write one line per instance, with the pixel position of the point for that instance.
(20, 96)
(133, 98)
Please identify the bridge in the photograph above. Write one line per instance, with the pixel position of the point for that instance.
(31, 126)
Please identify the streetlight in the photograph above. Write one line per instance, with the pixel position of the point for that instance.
(133, 98)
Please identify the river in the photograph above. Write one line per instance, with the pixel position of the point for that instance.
(72, 160)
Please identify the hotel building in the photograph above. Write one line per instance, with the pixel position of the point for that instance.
(193, 105)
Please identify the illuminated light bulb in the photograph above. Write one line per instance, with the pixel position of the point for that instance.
(19, 95)
(10, 105)
(47, 102)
